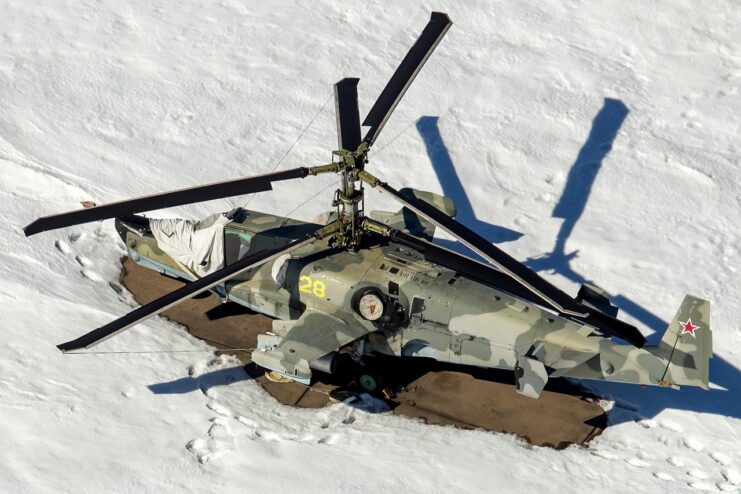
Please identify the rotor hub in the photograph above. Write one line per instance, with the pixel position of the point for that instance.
(349, 197)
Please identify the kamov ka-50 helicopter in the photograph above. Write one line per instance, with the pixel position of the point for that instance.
(377, 284)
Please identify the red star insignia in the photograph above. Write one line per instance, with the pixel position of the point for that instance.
(688, 327)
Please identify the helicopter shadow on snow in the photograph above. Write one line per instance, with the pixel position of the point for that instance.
(631, 401)
(452, 187)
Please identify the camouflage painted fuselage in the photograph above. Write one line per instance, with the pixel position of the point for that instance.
(438, 313)
(455, 319)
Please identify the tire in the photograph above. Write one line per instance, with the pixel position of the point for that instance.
(368, 383)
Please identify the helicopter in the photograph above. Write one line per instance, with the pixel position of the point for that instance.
(357, 285)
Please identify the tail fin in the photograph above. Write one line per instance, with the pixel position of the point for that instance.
(688, 345)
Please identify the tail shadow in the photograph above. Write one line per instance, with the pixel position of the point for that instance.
(631, 401)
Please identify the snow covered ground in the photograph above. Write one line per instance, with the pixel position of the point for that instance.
(605, 129)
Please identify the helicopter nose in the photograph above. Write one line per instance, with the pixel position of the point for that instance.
(134, 223)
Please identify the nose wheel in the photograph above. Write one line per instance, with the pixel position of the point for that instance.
(375, 376)
(368, 383)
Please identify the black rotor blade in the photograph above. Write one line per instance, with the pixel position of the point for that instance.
(616, 327)
(348, 115)
(465, 265)
(183, 293)
(491, 276)
(247, 185)
(556, 298)
(406, 72)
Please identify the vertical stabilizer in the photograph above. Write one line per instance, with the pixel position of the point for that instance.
(688, 344)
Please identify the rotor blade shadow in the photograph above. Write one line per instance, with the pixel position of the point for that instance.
(203, 382)
(632, 402)
(452, 186)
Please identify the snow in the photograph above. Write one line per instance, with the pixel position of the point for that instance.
(107, 100)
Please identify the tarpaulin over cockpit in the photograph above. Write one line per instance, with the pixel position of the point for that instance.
(197, 246)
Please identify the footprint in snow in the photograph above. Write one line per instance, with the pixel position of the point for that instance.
(203, 449)
(91, 275)
(219, 409)
(698, 474)
(219, 432)
(245, 421)
(702, 486)
(605, 454)
(219, 441)
(545, 197)
(648, 423)
(266, 435)
(62, 246)
(663, 476)
(330, 439)
(693, 444)
(645, 455)
(199, 448)
(282, 436)
(636, 462)
(727, 487)
(84, 262)
(720, 458)
(672, 426)
(523, 219)
(666, 439)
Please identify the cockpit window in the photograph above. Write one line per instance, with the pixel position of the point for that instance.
(236, 245)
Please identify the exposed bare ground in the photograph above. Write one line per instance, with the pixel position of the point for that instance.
(438, 394)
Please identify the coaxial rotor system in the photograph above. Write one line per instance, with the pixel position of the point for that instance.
(351, 226)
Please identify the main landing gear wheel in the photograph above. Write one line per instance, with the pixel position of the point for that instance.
(368, 383)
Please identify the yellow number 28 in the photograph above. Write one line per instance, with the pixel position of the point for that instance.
(312, 287)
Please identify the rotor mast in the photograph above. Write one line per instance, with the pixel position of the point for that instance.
(351, 156)
(349, 197)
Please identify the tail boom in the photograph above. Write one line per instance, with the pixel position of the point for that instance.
(682, 358)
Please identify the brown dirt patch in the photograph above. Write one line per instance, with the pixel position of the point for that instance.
(436, 393)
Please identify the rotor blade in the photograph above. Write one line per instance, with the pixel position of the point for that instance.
(489, 275)
(247, 185)
(183, 293)
(348, 116)
(406, 72)
(509, 265)
(465, 265)
(615, 326)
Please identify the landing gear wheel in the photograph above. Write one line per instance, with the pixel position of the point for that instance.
(368, 383)
(275, 377)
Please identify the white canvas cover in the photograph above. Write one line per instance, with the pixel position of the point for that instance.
(197, 246)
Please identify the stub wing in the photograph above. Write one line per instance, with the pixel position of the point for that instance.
(407, 220)
(308, 338)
